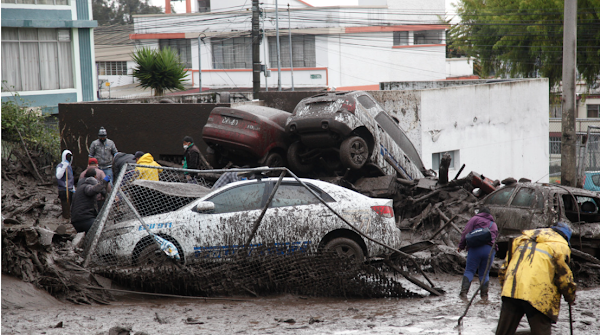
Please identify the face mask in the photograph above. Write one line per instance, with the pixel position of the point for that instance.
(102, 139)
(185, 147)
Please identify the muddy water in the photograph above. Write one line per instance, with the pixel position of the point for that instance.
(429, 315)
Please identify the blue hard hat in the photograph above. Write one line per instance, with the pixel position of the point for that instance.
(564, 229)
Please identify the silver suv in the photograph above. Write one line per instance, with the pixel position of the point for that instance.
(350, 130)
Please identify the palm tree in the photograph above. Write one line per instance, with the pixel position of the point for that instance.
(159, 69)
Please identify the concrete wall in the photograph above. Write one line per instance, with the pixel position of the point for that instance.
(155, 128)
(500, 129)
(457, 67)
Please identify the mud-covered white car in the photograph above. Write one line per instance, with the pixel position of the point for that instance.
(349, 130)
(218, 224)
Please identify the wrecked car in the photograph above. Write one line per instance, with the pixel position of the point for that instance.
(217, 225)
(349, 130)
(521, 206)
(246, 135)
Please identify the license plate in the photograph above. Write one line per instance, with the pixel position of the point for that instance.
(230, 121)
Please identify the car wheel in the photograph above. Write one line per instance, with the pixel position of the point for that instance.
(151, 255)
(295, 161)
(346, 247)
(274, 160)
(354, 152)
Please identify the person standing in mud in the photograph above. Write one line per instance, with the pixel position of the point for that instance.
(191, 158)
(534, 275)
(65, 181)
(103, 150)
(478, 253)
(93, 164)
(83, 209)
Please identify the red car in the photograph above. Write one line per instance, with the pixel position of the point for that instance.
(246, 135)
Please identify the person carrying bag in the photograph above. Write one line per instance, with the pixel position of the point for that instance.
(477, 238)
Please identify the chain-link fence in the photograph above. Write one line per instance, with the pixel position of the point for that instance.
(152, 235)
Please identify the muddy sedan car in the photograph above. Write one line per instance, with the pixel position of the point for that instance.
(217, 225)
(349, 130)
(521, 206)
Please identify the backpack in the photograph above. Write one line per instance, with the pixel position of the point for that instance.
(480, 236)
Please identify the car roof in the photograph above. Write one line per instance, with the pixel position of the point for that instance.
(561, 189)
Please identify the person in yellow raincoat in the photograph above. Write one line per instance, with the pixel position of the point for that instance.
(534, 276)
(146, 173)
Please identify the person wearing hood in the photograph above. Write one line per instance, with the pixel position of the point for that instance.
(143, 172)
(478, 253)
(65, 181)
(191, 158)
(93, 164)
(83, 209)
(103, 150)
(534, 275)
(121, 159)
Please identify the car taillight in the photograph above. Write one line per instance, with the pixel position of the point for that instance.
(385, 211)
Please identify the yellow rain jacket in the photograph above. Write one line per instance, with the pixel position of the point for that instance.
(537, 271)
(147, 173)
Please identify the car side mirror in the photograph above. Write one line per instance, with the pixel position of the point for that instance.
(203, 206)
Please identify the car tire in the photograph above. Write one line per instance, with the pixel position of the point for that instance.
(274, 160)
(346, 247)
(354, 152)
(295, 161)
(151, 255)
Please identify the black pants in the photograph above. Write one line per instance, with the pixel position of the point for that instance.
(65, 204)
(513, 310)
(83, 225)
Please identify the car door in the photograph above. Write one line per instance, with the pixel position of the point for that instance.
(223, 231)
(296, 220)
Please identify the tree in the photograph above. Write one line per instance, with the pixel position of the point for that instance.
(159, 69)
(523, 38)
(121, 11)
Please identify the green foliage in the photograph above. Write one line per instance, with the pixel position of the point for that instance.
(159, 69)
(32, 126)
(524, 38)
(121, 11)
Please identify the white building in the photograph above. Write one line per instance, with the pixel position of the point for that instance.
(393, 40)
(496, 127)
(114, 64)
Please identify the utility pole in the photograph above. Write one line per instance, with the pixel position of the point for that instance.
(255, 50)
(265, 52)
(291, 56)
(278, 48)
(199, 65)
(568, 159)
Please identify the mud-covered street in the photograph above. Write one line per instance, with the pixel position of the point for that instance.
(29, 311)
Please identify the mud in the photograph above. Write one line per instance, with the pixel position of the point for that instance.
(292, 314)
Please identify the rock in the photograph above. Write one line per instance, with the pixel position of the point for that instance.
(45, 236)
(78, 240)
(118, 330)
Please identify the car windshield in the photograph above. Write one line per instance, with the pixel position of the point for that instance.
(245, 197)
(500, 197)
(392, 129)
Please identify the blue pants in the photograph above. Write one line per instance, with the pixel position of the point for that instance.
(108, 172)
(477, 261)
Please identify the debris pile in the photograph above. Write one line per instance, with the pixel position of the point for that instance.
(50, 261)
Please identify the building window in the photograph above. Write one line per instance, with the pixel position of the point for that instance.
(437, 158)
(182, 46)
(36, 59)
(232, 53)
(428, 37)
(303, 50)
(401, 38)
(112, 68)
(203, 6)
(39, 2)
(593, 111)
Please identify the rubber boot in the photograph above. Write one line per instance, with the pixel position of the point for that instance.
(464, 288)
(484, 290)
